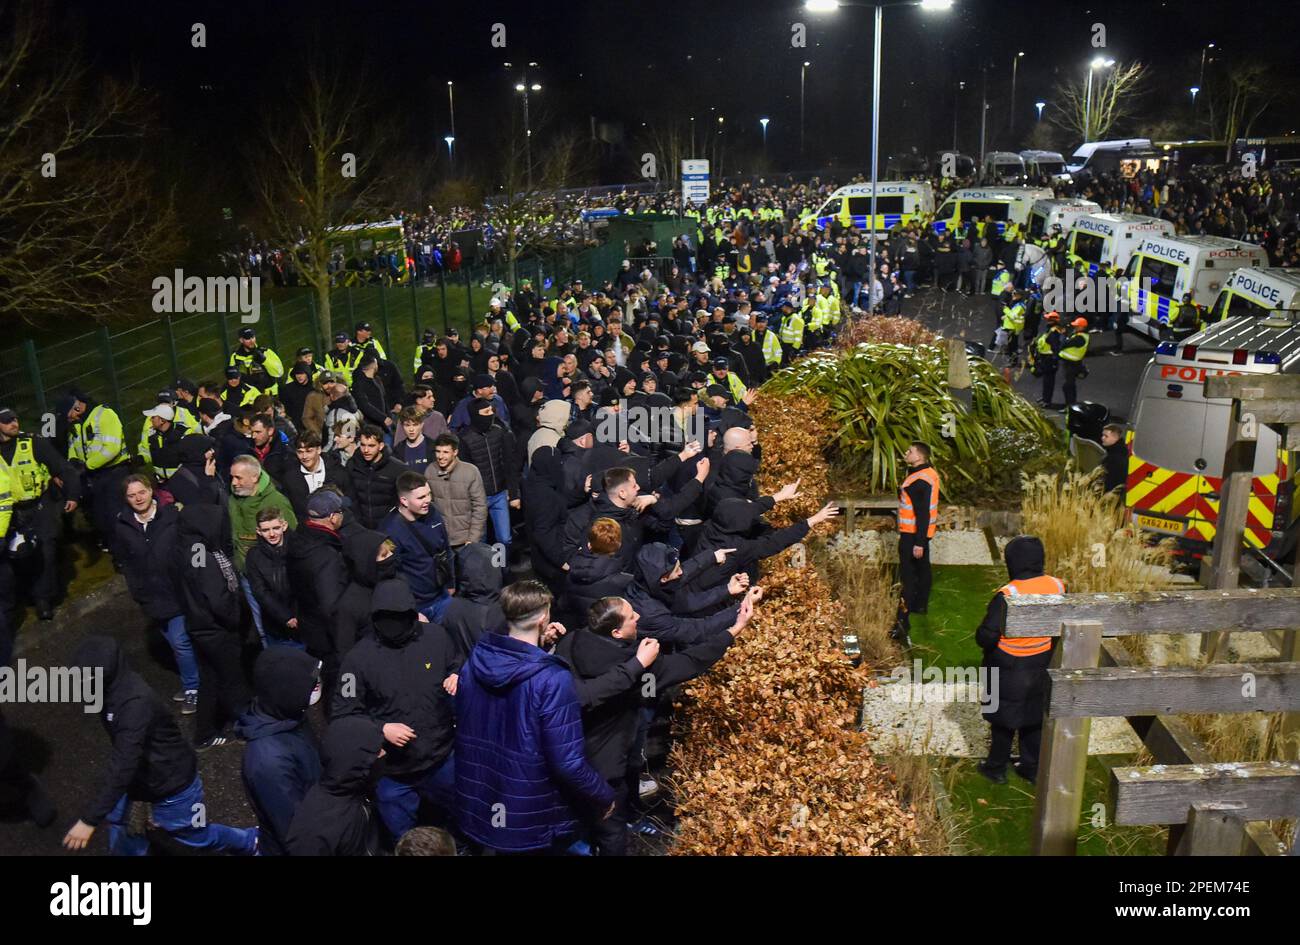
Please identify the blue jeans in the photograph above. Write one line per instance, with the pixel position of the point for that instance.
(399, 801)
(255, 607)
(177, 815)
(435, 608)
(277, 641)
(499, 515)
(175, 633)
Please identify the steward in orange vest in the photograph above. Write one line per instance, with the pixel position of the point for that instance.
(918, 513)
(1017, 666)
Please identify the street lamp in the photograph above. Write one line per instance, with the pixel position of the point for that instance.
(1015, 63)
(450, 139)
(1194, 89)
(763, 122)
(524, 88)
(1200, 82)
(1097, 63)
(823, 6)
(451, 104)
(803, 72)
(1040, 106)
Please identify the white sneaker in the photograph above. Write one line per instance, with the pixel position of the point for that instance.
(647, 786)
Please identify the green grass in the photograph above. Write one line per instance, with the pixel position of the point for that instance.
(997, 819)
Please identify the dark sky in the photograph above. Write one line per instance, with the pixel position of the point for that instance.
(630, 62)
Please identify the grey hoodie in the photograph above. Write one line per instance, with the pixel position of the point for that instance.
(552, 420)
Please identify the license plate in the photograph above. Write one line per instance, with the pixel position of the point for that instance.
(1160, 524)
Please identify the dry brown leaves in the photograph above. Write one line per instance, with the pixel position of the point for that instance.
(768, 758)
(878, 328)
(793, 431)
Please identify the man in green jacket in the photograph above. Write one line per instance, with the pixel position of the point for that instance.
(252, 490)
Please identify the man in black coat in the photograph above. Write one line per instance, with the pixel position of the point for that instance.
(545, 511)
(267, 571)
(487, 444)
(615, 676)
(150, 763)
(1116, 461)
(402, 678)
(373, 473)
(370, 559)
(368, 391)
(298, 480)
(335, 818)
(318, 578)
(475, 608)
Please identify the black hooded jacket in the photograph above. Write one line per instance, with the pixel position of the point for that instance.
(657, 518)
(266, 568)
(281, 760)
(1022, 680)
(352, 620)
(396, 675)
(318, 577)
(738, 523)
(190, 484)
(151, 759)
(335, 818)
(654, 601)
(610, 682)
(735, 479)
(544, 514)
(374, 486)
(475, 608)
(589, 578)
(210, 602)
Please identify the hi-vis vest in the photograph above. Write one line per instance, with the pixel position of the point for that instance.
(1076, 352)
(736, 386)
(907, 514)
(244, 361)
(1029, 646)
(96, 440)
(343, 364)
(1013, 317)
(1000, 282)
(1044, 343)
(771, 347)
(28, 479)
(792, 330)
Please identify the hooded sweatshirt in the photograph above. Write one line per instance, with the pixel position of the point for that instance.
(653, 601)
(208, 582)
(397, 674)
(353, 610)
(335, 817)
(151, 759)
(190, 484)
(735, 479)
(544, 515)
(475, 609)
(281, 761)
(519, 744)
(738, 523)
(552, 420)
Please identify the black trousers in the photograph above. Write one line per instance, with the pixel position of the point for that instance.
(223, 691)
(1070, 386)
(609, 836)
(1049, 383)
(8, 603)
(914, 573)
(42, 519)
(1000, 748)
(106, 500)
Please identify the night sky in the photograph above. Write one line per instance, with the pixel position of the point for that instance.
(634, 62)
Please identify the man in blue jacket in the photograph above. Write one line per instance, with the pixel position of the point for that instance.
(521, 767)
(281, 760)
(423, 552)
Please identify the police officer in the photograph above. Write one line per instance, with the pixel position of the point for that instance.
(239, 391)
(181, 414)
(918, 516)
(366, 341)
(791, 330)
(1020, 662)
(308, 357)
(34, 475)
(95, 441)
(166, 430)
(768, 342)
(343, 358)
(1013, 323)
(1046, 354)
(1073, 349)
(428, 347)
(252, 359)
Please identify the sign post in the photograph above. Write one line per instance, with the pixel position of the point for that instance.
(695, 182)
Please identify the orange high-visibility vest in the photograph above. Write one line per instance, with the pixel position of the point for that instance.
(1029, 646)
(907, 514)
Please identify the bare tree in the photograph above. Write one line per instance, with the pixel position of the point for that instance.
(1237, 103)
(1115, 93)
(82, 225)
(319, 170)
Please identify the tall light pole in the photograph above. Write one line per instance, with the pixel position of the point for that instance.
(826, 6)
(763, 122)
(1097, 63)
(719, 161)
(803, 74)
(956, 110)
(451, 105)
(1040, 106)
(450, 139)
(984, 112)
(1015, 64)
(1200, 83)
(525, 87)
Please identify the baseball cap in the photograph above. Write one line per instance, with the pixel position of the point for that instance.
(165, 397)
(232, 371)
(578, 429)
(7, 415)
(164, 411)
(302, 351)
(721, 363)
(1052, 317)
(324, 503)
(247, 333)
(328, 377)
(341, 336)
(1080, 323)
(716, 390)
(700, 346)
(363, 326)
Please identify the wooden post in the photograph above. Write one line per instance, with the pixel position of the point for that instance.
(1234, 501)
(1213, 830)
(1063, 761)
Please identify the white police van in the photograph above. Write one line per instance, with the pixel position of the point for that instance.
(897, 202)
(1045, 214)
(1163, 269)
(1107, 239)
(1257, 292)
(1049, 164)
(1004, 204)
(1003, 167)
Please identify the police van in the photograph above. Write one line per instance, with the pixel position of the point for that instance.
(1257, 292)
(1176, 447)
(1163, 269)
(1049, 164)
(1003, 167)
(1004, 204)
(1098, 239)
(896, 202)
(1045, 214)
